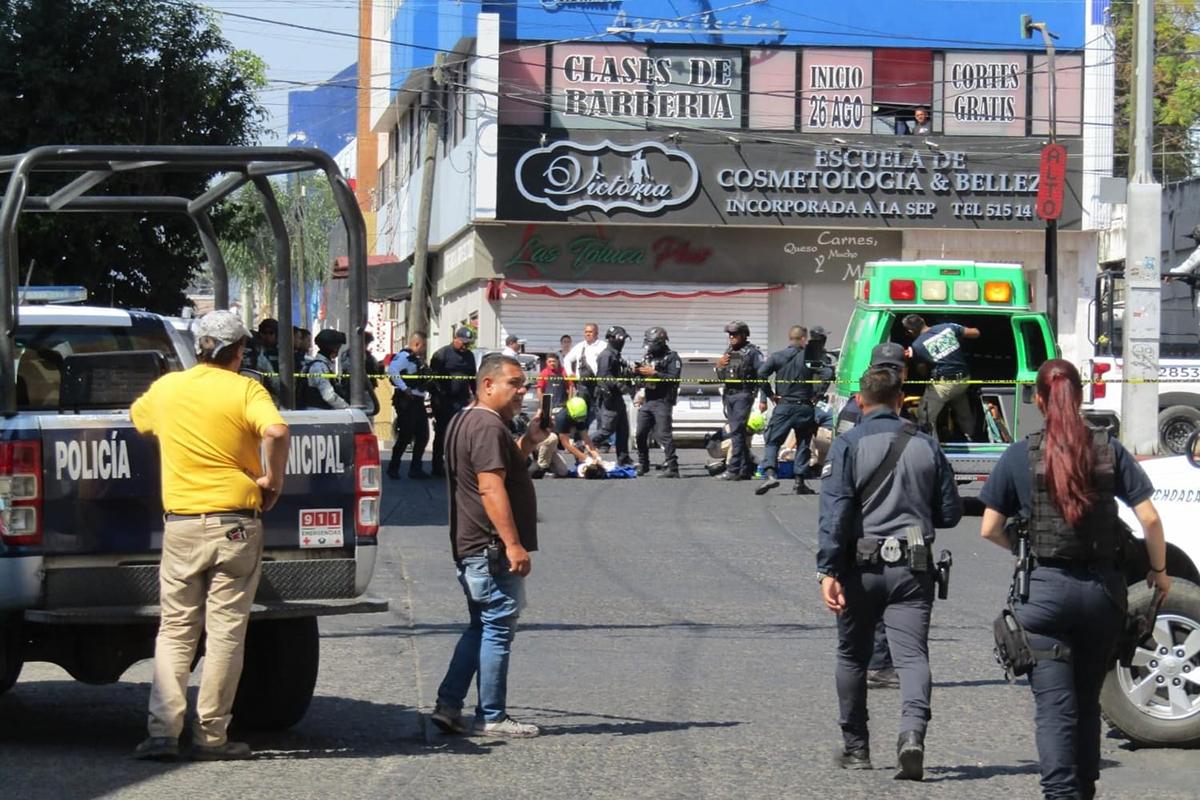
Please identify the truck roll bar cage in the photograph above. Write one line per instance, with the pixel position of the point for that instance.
(88, 167)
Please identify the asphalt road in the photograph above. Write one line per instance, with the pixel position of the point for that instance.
(674, 646)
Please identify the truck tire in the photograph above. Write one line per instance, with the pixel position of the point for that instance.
(11, 657)
(1133, 701)
(279, 673)
(1175, 425)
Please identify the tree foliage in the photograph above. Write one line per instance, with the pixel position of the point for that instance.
(1176, 85)
(309, 213)
(152, 72)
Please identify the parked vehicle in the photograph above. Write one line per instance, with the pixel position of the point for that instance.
(1178, 365)
(80, 488)
(1004, 360)
(1156, 700)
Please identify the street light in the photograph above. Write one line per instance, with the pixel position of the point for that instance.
(1028, 26)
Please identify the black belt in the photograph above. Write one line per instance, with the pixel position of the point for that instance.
(952, 376)
(1075, 563)
(787, 401)
(171, 516)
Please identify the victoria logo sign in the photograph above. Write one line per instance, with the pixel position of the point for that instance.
(644, 178)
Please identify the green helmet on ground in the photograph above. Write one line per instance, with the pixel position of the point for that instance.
(577, 408)
(757, 422)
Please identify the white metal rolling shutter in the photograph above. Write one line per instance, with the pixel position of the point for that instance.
(695, 324)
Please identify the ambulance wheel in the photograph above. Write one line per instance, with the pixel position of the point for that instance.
(11, 657)
(279, 673)
(1175, 425)
(1155, 701)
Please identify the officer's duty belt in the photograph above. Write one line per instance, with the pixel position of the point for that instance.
(890, 551)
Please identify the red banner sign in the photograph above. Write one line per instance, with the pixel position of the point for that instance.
(1052, 182)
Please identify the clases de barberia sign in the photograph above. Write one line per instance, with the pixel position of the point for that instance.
(960, 182)
(841, 90)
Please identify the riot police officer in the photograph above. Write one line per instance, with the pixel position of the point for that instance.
(663, 364)
(738, 369)
(452, 389)
(886, 487)
(317, 390)
(612, 375)
(797, 369)
(411, 424)
(1064, 481)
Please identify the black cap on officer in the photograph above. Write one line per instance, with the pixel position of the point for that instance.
(738, 327)
(616, 336)
(818, 334)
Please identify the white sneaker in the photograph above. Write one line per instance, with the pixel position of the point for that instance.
(508, 727)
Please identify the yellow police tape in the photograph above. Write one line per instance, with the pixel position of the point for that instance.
(719, 381)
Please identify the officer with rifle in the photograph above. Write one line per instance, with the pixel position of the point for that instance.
(612, 376)
(738, 370)
(886, 487)
(663, 367)
(1067, 606)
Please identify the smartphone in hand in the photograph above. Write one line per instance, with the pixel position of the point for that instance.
(544, 416)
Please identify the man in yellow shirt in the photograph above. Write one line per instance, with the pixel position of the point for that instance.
(211, 423)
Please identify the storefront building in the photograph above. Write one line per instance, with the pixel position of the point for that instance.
(685, 169)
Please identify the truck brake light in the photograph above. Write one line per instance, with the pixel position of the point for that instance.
(903, 290)
(367, 482)
(1099, 387)
(21, 488)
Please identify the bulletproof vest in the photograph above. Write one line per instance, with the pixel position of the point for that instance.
(741, 368)
(307, 395)
(661, 390)
(1096, 537)
(411, 379)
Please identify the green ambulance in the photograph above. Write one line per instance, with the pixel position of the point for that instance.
(1015, 340)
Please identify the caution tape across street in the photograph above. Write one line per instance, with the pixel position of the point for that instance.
(720, 381)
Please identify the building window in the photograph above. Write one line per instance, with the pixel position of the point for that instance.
(903, 87)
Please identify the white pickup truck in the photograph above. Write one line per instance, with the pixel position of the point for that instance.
(1156, 700)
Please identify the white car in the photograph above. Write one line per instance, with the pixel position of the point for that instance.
(1156, 700)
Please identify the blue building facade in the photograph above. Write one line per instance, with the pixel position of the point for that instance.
(324, 117)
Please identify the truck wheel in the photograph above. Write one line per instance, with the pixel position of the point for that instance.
(1155, 701)
(11, 657)
(279, 673)
(1175, 425)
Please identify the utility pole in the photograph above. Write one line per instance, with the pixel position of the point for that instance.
(1143, 249)
(1051, 250)
(418, 303)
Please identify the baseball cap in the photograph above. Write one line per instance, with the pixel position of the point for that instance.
(222, 327)
(818, 332)
(465, 333)
(888, 354)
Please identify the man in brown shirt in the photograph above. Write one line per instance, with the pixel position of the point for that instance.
(493, 529)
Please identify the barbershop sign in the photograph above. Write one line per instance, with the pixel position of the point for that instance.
(952, 182)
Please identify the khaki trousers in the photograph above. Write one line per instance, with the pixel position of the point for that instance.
(940, 394)
(207, 583)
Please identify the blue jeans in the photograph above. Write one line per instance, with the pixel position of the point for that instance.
(495, 603)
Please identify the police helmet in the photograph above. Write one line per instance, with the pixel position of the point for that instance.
(616, 336)
(817, 334)
(329, 339)
(757, 423)
(738, 327)
(577, 409)
(656, 334)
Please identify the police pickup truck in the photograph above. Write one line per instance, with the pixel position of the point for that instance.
(80, 508)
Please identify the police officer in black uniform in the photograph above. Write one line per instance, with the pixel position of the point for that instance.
(411, 423)
(318, 389)
(449, 395)
(656, 412)
(881, 673)
(738, 369)
(1076, 600)
(797, 369)
(886, 487)
(612, 374)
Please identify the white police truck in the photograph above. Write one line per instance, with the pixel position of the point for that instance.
(80, 507)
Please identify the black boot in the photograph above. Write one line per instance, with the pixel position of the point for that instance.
(910, 756)
(802, 487)
(642, 469)
(769, 482)
(669, 470)
(854, 759)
